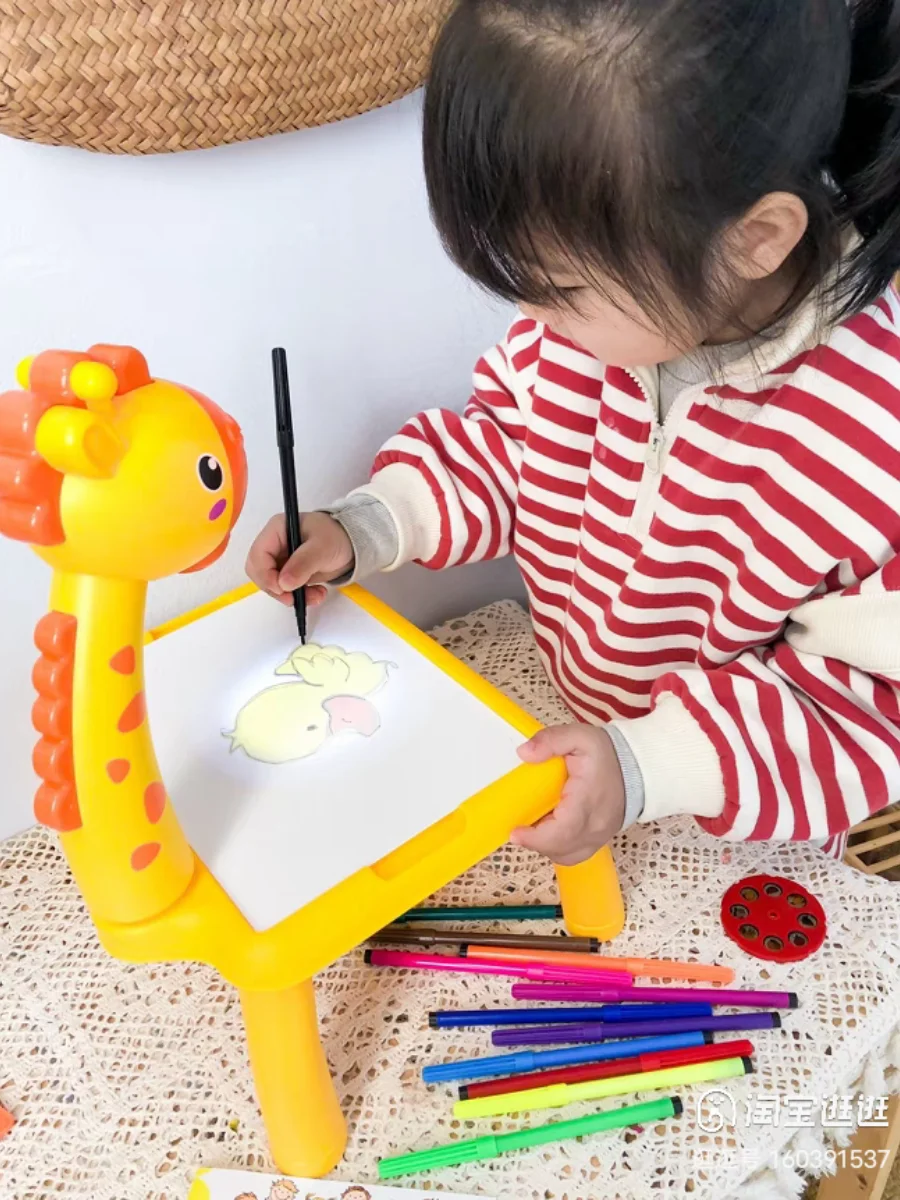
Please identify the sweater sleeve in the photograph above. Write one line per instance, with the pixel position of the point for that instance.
(798, 740)
(449, 481)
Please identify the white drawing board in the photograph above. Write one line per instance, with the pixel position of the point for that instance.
(394, 760)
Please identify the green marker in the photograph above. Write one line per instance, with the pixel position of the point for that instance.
(477, 1149)
(499, 912)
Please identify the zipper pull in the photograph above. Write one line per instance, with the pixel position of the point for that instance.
(655, 448)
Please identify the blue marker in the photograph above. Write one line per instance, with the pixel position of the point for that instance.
(536, 1060)
(470, 1018)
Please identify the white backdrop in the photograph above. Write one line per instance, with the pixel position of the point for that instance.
(319, 241)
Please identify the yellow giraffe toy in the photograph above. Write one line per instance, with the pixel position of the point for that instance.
(117, 479)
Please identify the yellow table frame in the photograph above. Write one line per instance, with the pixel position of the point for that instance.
(273, 969)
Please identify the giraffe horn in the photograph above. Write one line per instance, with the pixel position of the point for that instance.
(75, 441)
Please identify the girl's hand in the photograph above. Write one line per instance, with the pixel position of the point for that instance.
(326, 554)
(592, 808)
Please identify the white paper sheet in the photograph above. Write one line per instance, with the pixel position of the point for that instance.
(278, 836)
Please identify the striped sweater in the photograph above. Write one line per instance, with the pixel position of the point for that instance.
(724, 587)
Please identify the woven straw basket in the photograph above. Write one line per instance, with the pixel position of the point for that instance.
(144, 76)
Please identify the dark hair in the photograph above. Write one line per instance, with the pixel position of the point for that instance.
(628, 135)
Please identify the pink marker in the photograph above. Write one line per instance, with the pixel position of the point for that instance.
(652, 995)
(452, 962)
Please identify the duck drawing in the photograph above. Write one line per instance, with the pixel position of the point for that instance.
(327, 696)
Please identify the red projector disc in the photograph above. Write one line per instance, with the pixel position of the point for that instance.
(773, 918)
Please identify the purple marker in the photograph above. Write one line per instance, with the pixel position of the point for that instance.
(599, 1031)
(585, 994)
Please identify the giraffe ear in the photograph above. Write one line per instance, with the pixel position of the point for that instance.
(76, 441)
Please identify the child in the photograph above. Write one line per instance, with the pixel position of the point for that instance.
(283, 1189)
(690, 437)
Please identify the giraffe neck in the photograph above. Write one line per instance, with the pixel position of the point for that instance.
(102, 787)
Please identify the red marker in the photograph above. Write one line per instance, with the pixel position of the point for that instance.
(608, 1070)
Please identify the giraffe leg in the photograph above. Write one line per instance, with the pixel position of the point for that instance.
(300, 1108)
(591, 897)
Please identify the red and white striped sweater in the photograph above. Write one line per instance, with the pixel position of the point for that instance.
(724, 587)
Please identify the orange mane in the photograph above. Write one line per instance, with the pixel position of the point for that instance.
(29, 488)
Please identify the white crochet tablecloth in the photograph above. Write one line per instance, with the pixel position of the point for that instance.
(123, 1079)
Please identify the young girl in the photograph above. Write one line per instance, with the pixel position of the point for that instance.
(690, 436)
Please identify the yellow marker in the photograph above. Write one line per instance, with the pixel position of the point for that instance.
(562, 1094)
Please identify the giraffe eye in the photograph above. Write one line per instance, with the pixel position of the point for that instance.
(210, 471)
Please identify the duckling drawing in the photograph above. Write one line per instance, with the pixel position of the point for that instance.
(328, 696)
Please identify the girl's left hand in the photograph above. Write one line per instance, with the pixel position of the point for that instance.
(592, 809)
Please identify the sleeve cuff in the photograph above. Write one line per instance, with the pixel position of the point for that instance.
(408, 497)
(678, 763)
(372, 534)
(631, 776)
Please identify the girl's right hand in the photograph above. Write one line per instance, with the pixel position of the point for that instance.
(326, 554)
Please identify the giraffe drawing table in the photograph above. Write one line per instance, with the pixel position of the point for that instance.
(117, 479)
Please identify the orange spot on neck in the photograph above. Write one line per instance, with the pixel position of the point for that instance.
(154, 802)
(117, 769)
(144, 855)
(124, 661)
(134, 714)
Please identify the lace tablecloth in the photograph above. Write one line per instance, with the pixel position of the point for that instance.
(125, 1078)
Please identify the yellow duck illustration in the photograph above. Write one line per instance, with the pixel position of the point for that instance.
(327, 696)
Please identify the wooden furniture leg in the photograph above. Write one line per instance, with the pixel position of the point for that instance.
(591, 897)
(866, 1181)
(873, 848)
(300, 1108)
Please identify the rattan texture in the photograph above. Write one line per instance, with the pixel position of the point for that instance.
(146, 76)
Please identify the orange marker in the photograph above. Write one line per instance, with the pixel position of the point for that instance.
(6, 1122)
(659, 968)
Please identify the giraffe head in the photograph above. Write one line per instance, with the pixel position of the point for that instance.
(106, 471)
